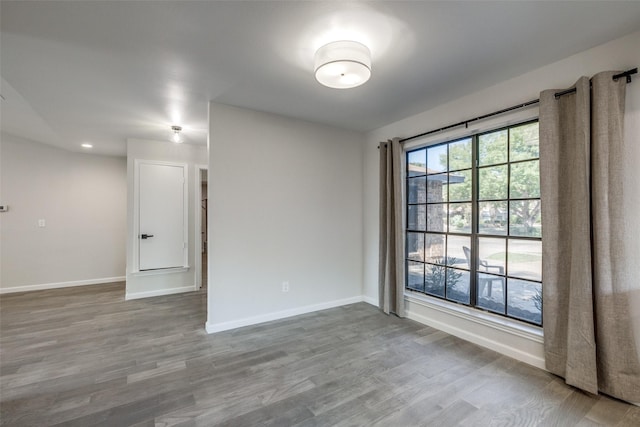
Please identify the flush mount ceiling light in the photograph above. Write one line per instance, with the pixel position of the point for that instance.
(176, 134)
(343, 64)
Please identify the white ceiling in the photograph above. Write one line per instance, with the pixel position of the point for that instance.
(102, 72)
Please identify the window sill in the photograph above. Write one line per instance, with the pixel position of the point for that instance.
(494, 321)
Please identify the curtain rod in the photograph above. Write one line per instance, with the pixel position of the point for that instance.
(626, 74)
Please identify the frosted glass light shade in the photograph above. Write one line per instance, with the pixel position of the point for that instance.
(343, 64)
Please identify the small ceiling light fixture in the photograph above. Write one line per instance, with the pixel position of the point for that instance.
(343, 64)
(176, 134)
(86, 145)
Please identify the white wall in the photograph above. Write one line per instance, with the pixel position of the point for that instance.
(141, 285)
(81, 197)
(621, 54)
(285, 204)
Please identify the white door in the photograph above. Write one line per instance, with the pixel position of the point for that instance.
(162, 218)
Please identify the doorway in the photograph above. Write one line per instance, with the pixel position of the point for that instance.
(202, 240)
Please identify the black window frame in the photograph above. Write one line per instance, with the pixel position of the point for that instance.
(474, 235)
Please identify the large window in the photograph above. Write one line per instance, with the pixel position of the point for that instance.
(473, 222)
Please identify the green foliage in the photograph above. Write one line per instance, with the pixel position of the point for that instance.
(524, 142)
(496, 181)
(460, 217)
(439, 272)
(460, 191)
(460, 155)
(492, 182)
(492, 148)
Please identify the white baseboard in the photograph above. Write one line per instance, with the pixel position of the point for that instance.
(45, 286)
(370, 300)
(225, 326)
(159, 292)
(517, 343)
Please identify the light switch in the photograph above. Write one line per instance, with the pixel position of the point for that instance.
(41, 223)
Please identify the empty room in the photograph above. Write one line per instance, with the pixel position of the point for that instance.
(319, 213)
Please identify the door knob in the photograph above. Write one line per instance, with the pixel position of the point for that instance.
(146, 236)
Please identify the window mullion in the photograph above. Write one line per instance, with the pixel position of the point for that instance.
(474, 223)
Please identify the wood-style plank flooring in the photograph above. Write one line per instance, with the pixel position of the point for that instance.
(84, 357)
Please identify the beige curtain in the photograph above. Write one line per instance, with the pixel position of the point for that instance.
(588, 327)
(391, 254)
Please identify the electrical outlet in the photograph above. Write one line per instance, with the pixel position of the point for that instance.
(41, 223)
(285, 286)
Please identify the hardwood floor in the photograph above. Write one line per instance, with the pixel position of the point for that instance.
(83, 357)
